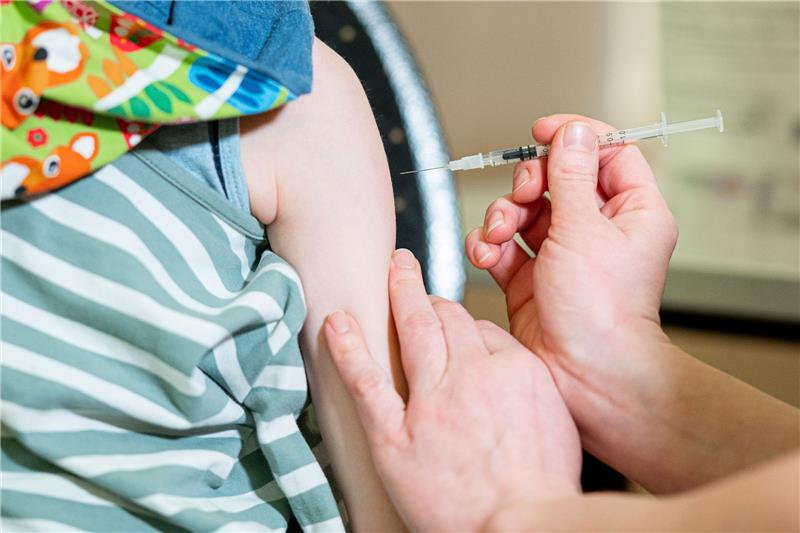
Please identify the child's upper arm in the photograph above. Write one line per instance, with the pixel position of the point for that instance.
(317, 174)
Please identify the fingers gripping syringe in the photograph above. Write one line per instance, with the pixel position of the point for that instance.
(612, 138)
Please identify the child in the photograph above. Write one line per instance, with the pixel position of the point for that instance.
(151, 371)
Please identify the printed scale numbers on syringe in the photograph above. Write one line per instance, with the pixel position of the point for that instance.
(612, 138)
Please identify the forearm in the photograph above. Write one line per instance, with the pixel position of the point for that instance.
(762, 499)
(670, 422)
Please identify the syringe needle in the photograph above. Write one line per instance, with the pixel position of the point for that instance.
(660, 130)
(422, 170)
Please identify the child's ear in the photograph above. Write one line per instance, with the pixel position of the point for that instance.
(85, 145)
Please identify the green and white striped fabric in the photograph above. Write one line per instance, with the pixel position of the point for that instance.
(151, 374)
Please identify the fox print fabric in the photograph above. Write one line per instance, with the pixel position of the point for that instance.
(83, 82)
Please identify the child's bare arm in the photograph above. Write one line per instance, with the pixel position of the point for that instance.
(317, 174)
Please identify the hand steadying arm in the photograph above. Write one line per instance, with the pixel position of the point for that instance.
(483, 427)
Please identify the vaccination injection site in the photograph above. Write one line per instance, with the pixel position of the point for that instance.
(376, 266)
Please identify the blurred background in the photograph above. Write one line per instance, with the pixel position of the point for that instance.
(492, 68)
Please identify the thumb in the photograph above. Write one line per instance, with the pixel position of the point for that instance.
(572, 172)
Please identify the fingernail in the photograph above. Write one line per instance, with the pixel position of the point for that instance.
(403, 258)
(521, 177)
(579, 136)
(482, 252)
(495, 220)
(338, 321)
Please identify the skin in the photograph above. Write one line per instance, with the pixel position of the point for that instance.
(587, 305)
(776, 507)
(318, 178)
(764, 498)
(452, 439)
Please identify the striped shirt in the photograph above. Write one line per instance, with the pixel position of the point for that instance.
(151, 374)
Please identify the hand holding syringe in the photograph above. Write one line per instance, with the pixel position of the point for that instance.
(612, 138)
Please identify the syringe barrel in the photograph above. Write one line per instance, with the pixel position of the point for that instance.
(619, 137)
(661, 129)
(693, 125)
(611, 138)
(514, 155)
(499, 157)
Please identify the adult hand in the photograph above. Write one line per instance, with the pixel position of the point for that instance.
(483, 426)
(602, 243)
(588, 305)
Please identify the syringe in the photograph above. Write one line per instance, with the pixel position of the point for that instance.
(613, 138)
